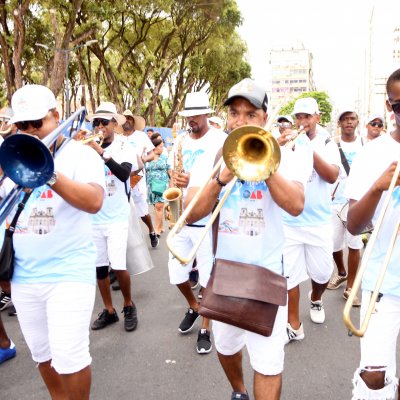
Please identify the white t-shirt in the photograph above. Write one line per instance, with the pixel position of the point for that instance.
(140, 144)
(317, 206)
(350, 149)
(52, 239)
(369, 164)
(250, 223)
(198, 156)
(115, 205)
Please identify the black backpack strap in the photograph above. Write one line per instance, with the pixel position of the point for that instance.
(343, 158)
(127, 192)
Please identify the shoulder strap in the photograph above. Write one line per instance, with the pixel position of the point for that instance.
(20, 208)
(127, 192)
(343, 158)
(216, 221)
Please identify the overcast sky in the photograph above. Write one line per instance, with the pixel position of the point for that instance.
(336, 32)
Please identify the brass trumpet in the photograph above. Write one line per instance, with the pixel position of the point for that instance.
(252, 154)
(364, 262)
(90, 136)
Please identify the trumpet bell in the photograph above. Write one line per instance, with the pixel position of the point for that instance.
(26, 160)
(251, 153)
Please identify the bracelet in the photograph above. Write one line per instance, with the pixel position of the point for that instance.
(220, 183)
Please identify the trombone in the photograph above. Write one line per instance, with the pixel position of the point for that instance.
(28, 161)
(367, 255)
(252, 154)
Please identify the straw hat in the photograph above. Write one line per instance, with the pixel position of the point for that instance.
(108, 111)
(140, 122)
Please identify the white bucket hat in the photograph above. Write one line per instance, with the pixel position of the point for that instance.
(107, 110)
(31, 103)
(140, 122)
(196, 103)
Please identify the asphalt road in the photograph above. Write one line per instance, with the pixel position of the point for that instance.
(157, 362)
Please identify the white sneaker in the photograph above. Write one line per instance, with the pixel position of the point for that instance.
(317, 312)
(294, 334)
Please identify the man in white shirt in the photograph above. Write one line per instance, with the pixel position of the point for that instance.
(143, 147)
(349, 145)
(110, 224)
(375, 126)
(201, 142)
(368, 183)
(308, 246)
(260, 244)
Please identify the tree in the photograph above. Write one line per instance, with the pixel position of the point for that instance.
(324, 105)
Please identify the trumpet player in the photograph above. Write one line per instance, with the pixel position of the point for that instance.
(205, 141)
(55, 254)
(371, 174)
(110, 224)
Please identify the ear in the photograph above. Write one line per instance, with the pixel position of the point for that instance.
(388, 106)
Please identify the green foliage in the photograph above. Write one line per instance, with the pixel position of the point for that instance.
(323, 101)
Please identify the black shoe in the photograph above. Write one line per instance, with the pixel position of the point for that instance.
(240, 396)
(5, 300)
(130, 318)
(189, 320)
(194, 278)
(115, 286)
(12, 312)
(204, 345)
(112, 276)
(153, 239)
(104, 319)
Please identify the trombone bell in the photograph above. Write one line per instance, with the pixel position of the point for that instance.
(251, 153)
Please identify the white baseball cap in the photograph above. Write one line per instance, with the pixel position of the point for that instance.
(349, 109)
(375, 116)
(217, 120)
(31, 103)
(306, 105)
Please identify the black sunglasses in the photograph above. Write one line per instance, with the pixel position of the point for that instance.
(395, 107)
(24, 125)
(376, 124)
(98, 122)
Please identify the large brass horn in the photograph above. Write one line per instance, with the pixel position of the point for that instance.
(364, 262)
(252, 154)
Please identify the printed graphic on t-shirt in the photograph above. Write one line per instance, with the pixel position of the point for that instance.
(244, 211)
(313, 176)
(38, 216)
(189, 158)
(111, 187)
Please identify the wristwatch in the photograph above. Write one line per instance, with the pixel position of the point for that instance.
(53, 179)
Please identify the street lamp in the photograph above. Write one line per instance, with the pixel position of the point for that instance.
(66, 53)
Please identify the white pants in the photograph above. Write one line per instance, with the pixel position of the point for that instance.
(54, 319)
(308, 253)
(184, 242)
(266, 353)
(341, 235)
(111, 241)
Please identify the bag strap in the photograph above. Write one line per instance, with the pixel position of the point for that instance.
(127, 192)
(343, 158)
(215, 224)
(20, 208)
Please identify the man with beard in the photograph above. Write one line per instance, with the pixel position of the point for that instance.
(205, 141)
(143, 147)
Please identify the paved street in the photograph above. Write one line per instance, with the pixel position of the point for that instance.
(156, 362)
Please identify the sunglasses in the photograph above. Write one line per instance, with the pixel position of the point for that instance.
(98, 122)
(395, 107)
(376, 124)
(24, 125)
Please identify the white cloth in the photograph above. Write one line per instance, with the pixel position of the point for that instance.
(54, 319)
(350, 149)
(140, 143)
(266, 353)
(52, 239)
(367, 167)
(317, 207)
(184, 242)
(115, 205)
(250, 223)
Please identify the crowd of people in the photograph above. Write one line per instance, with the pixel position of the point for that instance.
(325, 192)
